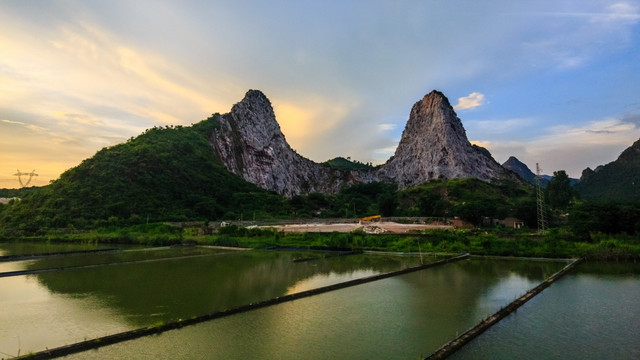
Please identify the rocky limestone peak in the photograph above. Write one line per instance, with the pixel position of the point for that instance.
(434, 145)
(249, 142)
(256, 121)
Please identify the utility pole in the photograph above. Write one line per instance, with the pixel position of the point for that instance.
(542, 226)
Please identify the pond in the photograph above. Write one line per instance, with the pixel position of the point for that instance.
(591, 313)
(141, 288)
(404, 317)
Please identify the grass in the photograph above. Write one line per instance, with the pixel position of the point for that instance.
(557, 243)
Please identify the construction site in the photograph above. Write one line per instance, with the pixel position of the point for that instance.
(371, 225)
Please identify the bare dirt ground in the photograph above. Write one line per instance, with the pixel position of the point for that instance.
(368, 227)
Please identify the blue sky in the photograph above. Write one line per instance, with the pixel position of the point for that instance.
(553, 82)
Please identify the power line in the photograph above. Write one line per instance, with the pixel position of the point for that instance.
(31, 175)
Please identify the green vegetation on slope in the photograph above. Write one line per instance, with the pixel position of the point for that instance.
(469, 199)
(343, 164)
(166, 173)
(617, 181)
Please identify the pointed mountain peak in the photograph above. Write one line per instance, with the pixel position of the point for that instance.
(519, 168)
(253, 95)
(434, 145)
(512, 162)
(435, 97)
(433, 101)
(255, 99)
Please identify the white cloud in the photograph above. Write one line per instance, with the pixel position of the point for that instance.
(13, 122)
(383, 154)
(28, 126)
(471, 101)
(387, 127)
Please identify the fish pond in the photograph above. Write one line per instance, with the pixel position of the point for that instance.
(68, 298)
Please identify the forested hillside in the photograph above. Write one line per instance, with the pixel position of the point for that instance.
(617, 181)
(164, 174)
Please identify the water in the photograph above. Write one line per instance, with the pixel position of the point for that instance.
(58, 308)
(106, 258)
(403, 317)
(27, 248)
(591, 313)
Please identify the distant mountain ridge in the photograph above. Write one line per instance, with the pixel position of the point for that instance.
(618, 180)
(519, 168)
(522, 170)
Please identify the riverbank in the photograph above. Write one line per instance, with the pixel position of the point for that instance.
(556, 243)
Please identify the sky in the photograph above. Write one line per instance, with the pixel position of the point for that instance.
(550, 82)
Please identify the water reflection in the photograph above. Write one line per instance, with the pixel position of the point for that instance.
(145, 293)
(33, 318)
(57, 308)
(402, 317)
(591, 313)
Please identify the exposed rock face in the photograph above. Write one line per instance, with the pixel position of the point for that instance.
(434, 145)
(250, 143)
(519, 168)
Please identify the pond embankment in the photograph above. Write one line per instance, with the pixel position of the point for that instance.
(156, 329)
(455, 344)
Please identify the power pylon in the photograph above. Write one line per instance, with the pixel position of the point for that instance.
(19, 175)
(542, 225)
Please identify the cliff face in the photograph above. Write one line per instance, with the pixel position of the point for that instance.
(434, 145)
(249, 142)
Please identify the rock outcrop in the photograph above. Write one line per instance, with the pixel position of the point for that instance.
(434, 145)
(249, 142)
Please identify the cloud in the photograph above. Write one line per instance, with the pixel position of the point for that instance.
(571, 148)
(13, 122)
(387, 127)
(471, 101)
(499, 126)
(78, 118)
(577, 37)
(383, 154)
(28, 126)
(305, 120)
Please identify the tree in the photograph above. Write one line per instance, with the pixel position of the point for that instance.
(559, 192)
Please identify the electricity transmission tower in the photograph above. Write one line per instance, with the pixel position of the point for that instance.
(19, 175)
(542, 225)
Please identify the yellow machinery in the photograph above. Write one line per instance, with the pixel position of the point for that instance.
(371, 218)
